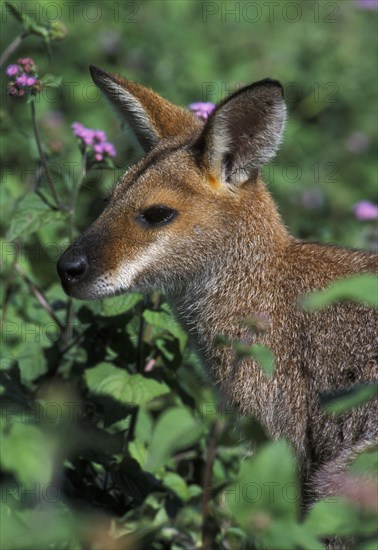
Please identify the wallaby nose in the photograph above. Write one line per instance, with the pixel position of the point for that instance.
(72, 266)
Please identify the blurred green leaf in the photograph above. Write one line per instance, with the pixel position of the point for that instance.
(175, 429)
(47, 527)
(265, 357)
(278, 494)
(358, 288)
(106, 379)
(25, 451)
(119, 304)
(332, 517)
(51, 81)
(177, 484)
(354, 397)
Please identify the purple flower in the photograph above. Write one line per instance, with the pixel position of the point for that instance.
(93, 142)
(12, 70)
(202, 110)
(24, 80)
(367, 4)
(365, 210)
(21, 80)
(23, 77)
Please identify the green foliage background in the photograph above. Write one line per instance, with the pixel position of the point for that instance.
(96, 452)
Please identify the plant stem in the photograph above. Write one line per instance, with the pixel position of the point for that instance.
(71, 228)
(12, 47)
(211, 451)
(75, 194)
(39, 295)
(43, 159)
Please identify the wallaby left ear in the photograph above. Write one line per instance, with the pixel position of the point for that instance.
(150, 116)
(244, 132)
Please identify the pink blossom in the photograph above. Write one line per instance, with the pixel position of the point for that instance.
(202, 110)
(93, 142)
(26, 61)
(365, 210)
(22, 80)
(12, 70)
(23, 75)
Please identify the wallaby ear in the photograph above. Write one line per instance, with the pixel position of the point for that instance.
(150, 116)
(244, 132)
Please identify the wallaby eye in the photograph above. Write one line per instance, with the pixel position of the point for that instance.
(157, 215)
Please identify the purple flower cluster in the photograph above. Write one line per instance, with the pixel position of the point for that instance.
(93, 142)
(365, 210)
(202, 110)
(23, 77)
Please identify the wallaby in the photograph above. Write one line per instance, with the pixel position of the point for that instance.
(195, 219)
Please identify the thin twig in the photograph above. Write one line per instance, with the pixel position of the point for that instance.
(39, 295)
(43, 159)
(12, 47)
(71, 228)
(16, 248)
(211, 451)
(140, 365)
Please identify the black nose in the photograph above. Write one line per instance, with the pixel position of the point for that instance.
(72, 265)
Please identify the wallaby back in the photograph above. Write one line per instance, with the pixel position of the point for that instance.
(194, 218)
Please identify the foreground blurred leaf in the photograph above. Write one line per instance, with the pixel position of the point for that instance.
(265, 499)
(336, 516)
(31, 529)
(265, 357)
(119, 304)
(360, 288)
(175, 429)
(135, 389)
(338, 404)
(25, 451)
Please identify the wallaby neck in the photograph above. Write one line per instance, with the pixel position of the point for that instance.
(243, 273)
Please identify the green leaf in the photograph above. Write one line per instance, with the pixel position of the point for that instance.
(177, 484)
(30, 214)
(51, 81)
(262, 354)
(40, 527)
(117, 305)
(351, 398)
(106, 379)
(21, 17)
(165, 322)
(25, 451)
(267, 482)
(358, 288)
(31, 359)
(265, 357)
(175, 429)
(332, 517)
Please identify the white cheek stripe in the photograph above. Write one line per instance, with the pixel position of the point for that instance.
(125, 275)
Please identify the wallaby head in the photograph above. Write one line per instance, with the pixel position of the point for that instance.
(170, 214)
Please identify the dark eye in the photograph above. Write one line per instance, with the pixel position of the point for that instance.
(157, 215)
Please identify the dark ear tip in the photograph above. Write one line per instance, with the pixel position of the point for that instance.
(270, 82)
(97, 73)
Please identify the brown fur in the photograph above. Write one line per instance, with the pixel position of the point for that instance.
(227, 257)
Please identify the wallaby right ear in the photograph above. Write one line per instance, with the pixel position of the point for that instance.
(244, 132)
(150, 116)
